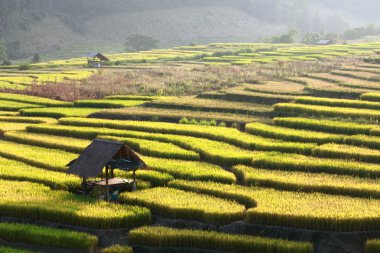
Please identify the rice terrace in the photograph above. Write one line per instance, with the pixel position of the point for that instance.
(258, 146)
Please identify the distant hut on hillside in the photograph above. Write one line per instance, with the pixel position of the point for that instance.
(96, 60)
(110, 155)
(324, 42)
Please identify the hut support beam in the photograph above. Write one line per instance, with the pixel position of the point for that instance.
(134, 181)
(107, 186)
(84, 184)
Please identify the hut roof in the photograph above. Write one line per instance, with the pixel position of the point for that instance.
(99, 56)
(323, 42)
(101, 153)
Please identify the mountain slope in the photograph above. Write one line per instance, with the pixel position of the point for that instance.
(181, 24)
(36, 26)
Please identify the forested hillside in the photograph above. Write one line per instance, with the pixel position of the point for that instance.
(35, 26)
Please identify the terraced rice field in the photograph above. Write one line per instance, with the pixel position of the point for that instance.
(35, 201)
(345, 81)
(225, 54)
(171, 115)
(244, 93)
(362, 74)
(323, 88)
(300, 154)
(160, 236)
(284, 88)
(214, 105)
(22, 80)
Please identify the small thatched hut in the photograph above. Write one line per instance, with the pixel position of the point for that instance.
(324, 42)
(96, 59)
(102, 154)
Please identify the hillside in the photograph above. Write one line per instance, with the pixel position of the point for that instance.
(40, 26)
(171, 26)
(45, 29)
(181, 24)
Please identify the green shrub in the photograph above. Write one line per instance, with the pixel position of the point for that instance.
(193, 121)
(24, 67)
(6, 63)
(184, 120)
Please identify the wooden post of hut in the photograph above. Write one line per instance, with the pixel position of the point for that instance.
(109, 155)
(134, 181)
(107, 186)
